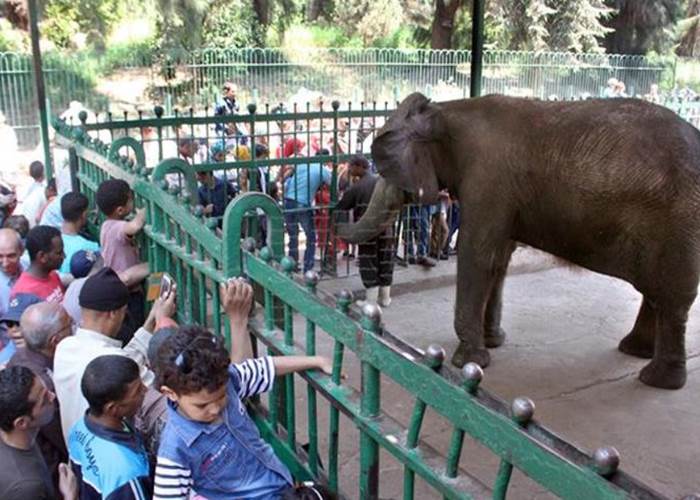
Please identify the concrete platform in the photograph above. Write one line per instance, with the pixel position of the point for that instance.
(563, 327)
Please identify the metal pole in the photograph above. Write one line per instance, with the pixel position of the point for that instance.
(40, 90)
(477, 47)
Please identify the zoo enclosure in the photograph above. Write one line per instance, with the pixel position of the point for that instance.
(178, 240)
(276, 75)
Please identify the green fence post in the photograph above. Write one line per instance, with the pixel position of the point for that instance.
(369, 408)
(311, 279)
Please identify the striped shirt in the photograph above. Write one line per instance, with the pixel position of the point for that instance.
(224, 460)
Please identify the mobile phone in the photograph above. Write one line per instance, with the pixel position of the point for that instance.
(166, 285)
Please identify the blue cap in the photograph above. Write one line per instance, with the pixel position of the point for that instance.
(82, 262)
(18, 304)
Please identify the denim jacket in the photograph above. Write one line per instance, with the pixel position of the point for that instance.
(223, 460)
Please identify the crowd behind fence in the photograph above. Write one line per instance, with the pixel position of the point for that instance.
(278, 75)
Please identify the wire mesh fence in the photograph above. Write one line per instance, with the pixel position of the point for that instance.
(194, 80)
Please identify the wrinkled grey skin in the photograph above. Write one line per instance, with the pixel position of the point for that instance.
(610, 185)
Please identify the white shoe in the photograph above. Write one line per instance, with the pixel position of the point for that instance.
(384, 296)
(370, 297)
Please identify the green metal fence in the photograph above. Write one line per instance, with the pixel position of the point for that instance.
(276, 75)
(180, 241)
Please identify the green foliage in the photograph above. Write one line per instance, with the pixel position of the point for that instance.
(67, 22)
(368, 19)
(232, 24)
(12, 40)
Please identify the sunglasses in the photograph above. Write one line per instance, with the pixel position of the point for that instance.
(182, 361)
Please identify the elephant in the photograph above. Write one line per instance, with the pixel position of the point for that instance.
(611, 185)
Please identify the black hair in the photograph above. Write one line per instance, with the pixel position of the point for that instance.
(51, 184)
(359, 160)
(40, 239)
(112, 194)
(308, 492)
(19, 223)
(323, 152)
(204, 360)
(157, 340)
(15, 386)
(36, 170)
(73, 205)
(107, 378)
(261, 150)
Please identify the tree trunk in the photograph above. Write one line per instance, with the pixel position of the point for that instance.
(262, 11)
(17, 14)
(444, 23)
(689, 45)
(314, 10)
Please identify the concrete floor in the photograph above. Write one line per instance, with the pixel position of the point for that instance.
(563, 325)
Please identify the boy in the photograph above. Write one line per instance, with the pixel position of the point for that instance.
(74, 209)
(210, 444)
(45, 248)
(106, 454)
(115, 200)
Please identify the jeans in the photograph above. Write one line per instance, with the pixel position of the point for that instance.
(302, 215)
(419, 229)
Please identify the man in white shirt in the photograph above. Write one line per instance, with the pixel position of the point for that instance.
(103, 301)
(34, 197)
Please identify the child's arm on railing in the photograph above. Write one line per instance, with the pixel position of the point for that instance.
(237, 298)
(291, 364)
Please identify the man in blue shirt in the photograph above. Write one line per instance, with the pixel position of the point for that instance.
(228, 106)
(299, 191)
(74, 209)
(214, 193)
(107, 456)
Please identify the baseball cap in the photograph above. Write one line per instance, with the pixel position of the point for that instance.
(18, 304)
(82, 262)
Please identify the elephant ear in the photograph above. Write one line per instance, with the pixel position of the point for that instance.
(407, 148)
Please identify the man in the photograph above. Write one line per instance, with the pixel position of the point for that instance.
(377, 254)
(74, 209)
(34, 198)
(11, 249)
(229, 107)
(103, 301)
(25, 407)
(10, 321)
(43, 326)
(45, 248)
(299, 191)
(51, 215)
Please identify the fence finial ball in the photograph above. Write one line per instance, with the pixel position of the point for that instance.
(372, 312)
(473, 373)
(82, 116)
(288, 264)
(249, 244)
(266, 254)
(158, 110)
(252, 108)
(606, 460)
(523, 409)
(311, 278)
(335, 105)
(435, 355)
(345, 294)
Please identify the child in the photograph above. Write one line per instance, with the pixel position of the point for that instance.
(106, 454)
(115, 200)
(210, 444)
(74, 209)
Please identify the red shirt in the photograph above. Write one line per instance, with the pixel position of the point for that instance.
(49, 289)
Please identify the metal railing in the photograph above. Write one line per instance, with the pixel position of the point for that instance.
(276, 75)
(178, 240)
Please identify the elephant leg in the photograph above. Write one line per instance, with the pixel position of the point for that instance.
(477, 271)
(494, 335)
(640, 341)
(667, 368)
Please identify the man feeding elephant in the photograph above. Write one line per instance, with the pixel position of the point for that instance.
(610, 185)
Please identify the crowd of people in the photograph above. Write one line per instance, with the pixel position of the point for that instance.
(100, 398)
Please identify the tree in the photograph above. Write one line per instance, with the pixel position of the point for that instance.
(576, 26)
(689, 44)
(443, 23)
(639, 26)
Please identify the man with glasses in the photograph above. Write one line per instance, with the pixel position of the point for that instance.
(43, 326)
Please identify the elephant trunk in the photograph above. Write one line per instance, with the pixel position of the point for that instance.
(382, 211)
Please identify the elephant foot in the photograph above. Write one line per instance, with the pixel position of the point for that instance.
(495, 338)
(635, 345)
(467, 354)
(664, 374)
